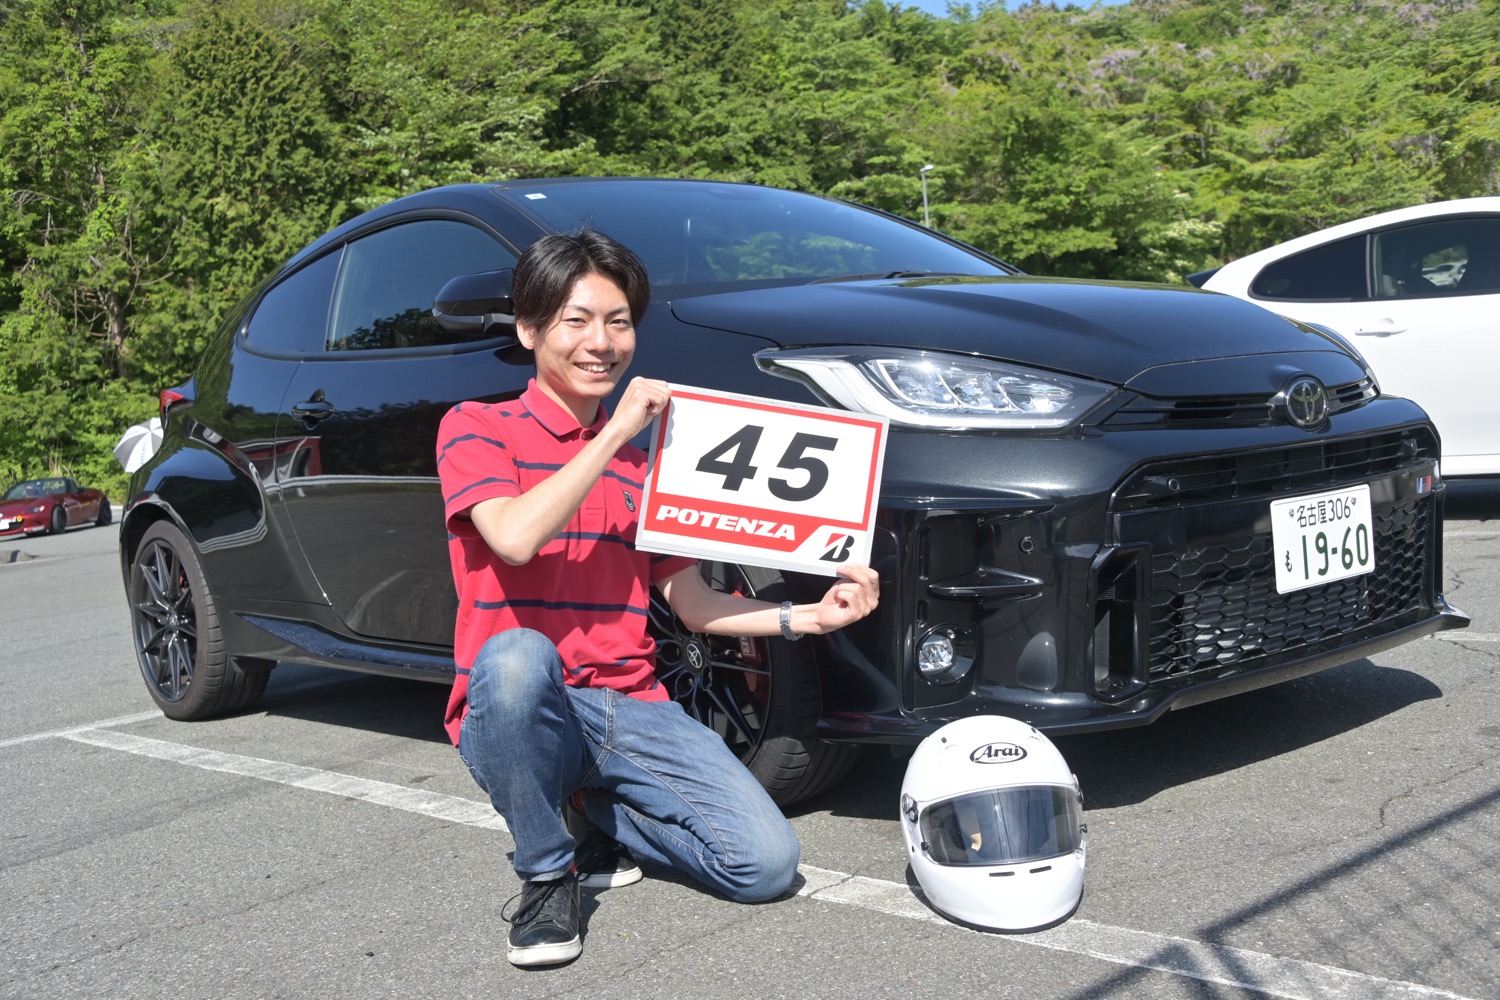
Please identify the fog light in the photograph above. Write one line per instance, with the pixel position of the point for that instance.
(945, 654)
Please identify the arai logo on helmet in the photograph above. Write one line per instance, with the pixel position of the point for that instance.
(997, 753)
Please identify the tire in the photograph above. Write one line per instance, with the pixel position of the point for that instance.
(58, 522)
(175, 626)
(106, 514)
(760, 695)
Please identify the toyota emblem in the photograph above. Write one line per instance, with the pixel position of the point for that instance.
(1304, 401)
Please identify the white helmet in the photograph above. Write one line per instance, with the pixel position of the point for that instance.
(993, 821)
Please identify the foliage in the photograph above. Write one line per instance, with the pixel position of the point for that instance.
(159, 157)
(74, 83)
(245, 169)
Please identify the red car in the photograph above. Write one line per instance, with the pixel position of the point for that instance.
(51, 505)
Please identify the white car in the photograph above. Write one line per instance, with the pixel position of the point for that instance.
(1447, 273)
(1430, 331)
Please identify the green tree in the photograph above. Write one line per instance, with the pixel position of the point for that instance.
(1033, 166)
(159, 157)
(1345, 143)
(247, 168)
(431, 92)
(1462, 67)
(76, 81)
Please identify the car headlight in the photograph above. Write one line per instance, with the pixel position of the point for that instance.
(933, 389)
(37, 509)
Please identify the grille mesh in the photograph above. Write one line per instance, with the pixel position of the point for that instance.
(1214, 605)
(1217, 606)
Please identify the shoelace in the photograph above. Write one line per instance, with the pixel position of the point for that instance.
(541, 895)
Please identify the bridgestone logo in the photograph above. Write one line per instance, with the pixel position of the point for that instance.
(728, 523)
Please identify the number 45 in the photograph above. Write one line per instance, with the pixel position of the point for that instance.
(731, 459)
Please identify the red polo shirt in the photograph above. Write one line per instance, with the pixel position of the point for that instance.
(588, 589)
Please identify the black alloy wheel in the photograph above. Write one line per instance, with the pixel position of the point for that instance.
(58, 522)
(106, 514)
(761, 695)
(177, 636)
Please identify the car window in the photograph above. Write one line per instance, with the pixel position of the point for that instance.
(1445, 257)
(389, 279)
(1452, 257)
(293, 315)
(1481, 274)
(1333, 272)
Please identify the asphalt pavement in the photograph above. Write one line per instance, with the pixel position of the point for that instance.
(1335, 836)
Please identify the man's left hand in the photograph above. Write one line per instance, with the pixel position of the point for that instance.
(855, 595)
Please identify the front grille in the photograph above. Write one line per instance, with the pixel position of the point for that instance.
(1298, 469)
(1212, 606)
(1216, 607)
(1228, 411)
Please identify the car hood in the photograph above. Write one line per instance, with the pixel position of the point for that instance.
(10, 508)
(1108, 331)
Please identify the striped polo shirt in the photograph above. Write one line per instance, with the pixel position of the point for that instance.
(588, 589)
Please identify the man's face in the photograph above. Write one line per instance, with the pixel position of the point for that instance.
(585, 348)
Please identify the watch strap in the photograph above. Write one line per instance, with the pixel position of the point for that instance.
(786, 623)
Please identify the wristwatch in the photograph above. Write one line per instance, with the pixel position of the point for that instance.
(786, 623)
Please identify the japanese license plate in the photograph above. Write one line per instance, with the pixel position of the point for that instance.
(1322, 538)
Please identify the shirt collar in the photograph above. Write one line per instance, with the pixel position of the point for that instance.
(557, 419)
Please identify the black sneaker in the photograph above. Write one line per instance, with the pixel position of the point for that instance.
(599, 861)
(544, 928)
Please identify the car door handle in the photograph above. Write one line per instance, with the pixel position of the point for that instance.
(314, 409)
(1384, 328)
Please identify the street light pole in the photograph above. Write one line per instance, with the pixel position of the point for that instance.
(926, 214)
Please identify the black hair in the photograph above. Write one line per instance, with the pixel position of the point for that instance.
(548, 269)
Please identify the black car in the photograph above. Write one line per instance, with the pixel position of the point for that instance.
(1076, 515)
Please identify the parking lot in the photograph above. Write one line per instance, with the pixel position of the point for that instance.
(1335, 836)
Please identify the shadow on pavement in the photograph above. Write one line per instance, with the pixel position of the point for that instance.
(394, 706)
(1116, 768)
(1472, 500)
(1127, 766)
(1393, 920)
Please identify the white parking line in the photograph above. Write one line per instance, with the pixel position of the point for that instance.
(381, 793)
(1235, 967)
(1250, 970)
(122, 720)
(1464, 635)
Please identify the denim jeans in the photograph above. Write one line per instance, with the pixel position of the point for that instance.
(656, 780)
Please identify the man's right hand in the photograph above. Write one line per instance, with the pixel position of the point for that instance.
(642, 401)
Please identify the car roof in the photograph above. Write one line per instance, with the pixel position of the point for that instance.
(487, 199)
(1414, 213)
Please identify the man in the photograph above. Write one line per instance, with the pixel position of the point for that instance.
(555, 708)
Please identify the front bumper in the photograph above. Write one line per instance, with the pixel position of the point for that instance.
(1108, 608)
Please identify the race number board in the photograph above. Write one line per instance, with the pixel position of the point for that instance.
(762, 482)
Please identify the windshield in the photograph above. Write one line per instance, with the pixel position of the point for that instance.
(688, 232)
(35, 488)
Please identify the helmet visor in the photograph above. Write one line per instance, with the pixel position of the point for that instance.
(1003, 826)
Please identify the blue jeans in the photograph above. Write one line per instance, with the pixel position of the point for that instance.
(660, 783)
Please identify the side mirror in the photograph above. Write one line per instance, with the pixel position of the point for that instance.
(477, 306)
